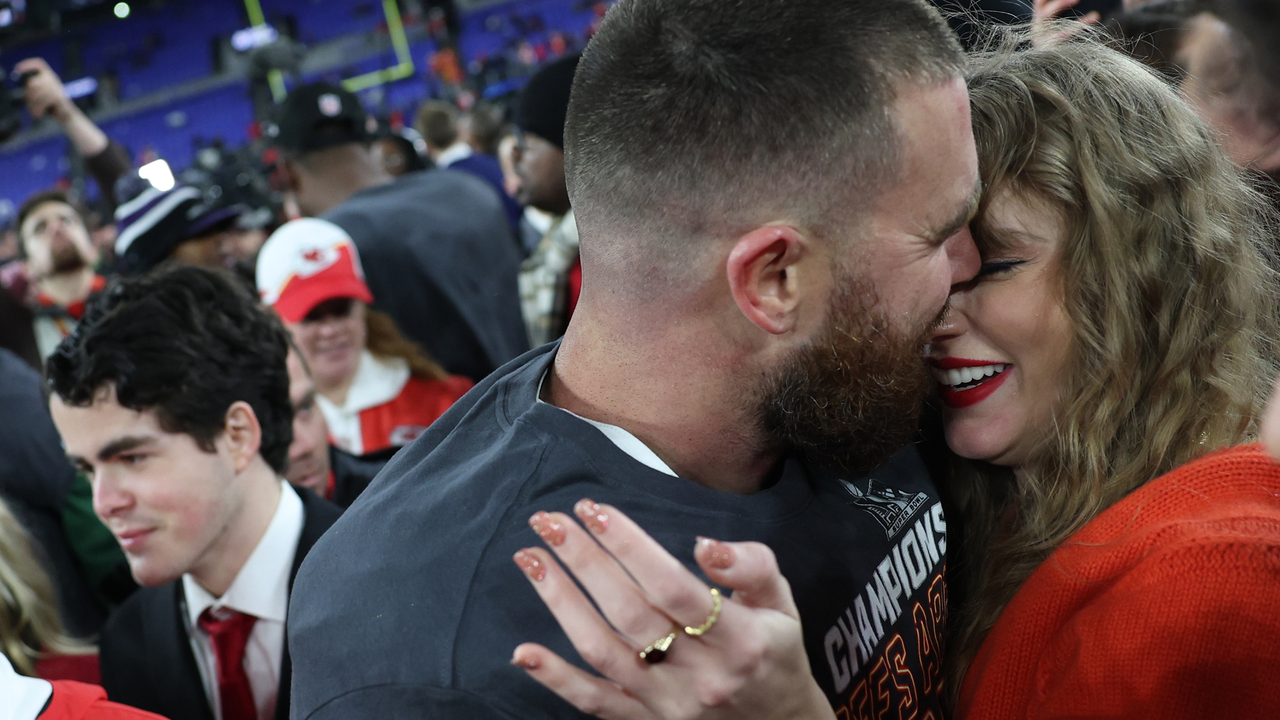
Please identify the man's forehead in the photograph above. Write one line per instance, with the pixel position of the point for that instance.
(103, 418)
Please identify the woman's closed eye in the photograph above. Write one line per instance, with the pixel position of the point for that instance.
(998, 267)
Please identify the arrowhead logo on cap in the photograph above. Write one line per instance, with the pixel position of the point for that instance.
(330, 105)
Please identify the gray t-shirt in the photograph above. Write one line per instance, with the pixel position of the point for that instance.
(410, 606)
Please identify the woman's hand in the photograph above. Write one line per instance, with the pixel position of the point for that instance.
(750, 663)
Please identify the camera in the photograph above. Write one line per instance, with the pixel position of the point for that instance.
(12, 100)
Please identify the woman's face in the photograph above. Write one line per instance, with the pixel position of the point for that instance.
(1000, 357)
(331, 337)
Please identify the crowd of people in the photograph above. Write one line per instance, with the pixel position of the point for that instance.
(843, 378)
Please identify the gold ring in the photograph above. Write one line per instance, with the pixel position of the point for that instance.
(657, 652)
(711, 619)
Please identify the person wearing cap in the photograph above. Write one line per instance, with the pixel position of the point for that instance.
(179, 224)
(375, 389)
(436, 245)
(551, 277)
(60, 263)
(314, 463)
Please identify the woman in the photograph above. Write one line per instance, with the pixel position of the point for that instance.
(1123, 325)
(1121, 549)
(376, 389)
(37, 659)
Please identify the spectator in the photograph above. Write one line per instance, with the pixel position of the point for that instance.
(1217, 70)
(32, 645)
(37, 482)
(437, 121)
(105, 159)
(31, 633)
(764, 252)
(551, 277)
(173, 396)
(315, 464)
(437, 251)
(60, 264)
(376, 389)
(398, 153)
(179, 225)
(481, 127)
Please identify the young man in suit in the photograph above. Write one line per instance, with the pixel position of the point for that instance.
(173, 396)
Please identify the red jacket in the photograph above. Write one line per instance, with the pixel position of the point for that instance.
(400, 421)
(77, 701)
(1165, 606)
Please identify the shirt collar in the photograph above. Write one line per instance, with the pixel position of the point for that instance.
(261, 588)
(24, 697)
(377, 381)
(453, 153)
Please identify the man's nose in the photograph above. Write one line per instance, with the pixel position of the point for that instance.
(964, 257)
(109, 497)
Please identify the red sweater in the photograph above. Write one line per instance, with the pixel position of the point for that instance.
(1165, 606)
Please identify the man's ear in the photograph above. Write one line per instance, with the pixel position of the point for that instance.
(764, 277)
(289, 171)
(242, 434)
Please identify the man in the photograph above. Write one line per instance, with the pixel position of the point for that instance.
(438, 122)
(60, 264)
(314, 464)
(551, 277)
(173, 397)
(437, 251)
(764, 251)
(105, 159)
(182, 225)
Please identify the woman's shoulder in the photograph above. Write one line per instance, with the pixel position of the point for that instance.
(1240, 483)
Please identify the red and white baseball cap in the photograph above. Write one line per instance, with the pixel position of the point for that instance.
(306, 262)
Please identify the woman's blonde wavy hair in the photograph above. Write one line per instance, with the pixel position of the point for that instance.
(1166, 274)
(29, 623)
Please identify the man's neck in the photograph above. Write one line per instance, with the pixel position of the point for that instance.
(677, 396)
(65, 289)
(341, 172)
(220, 565)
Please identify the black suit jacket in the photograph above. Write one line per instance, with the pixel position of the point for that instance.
(145, 654)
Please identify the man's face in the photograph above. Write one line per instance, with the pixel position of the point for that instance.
(309, 452)
(56, 241)
(540, 166)
(853, 393)
(171, 505)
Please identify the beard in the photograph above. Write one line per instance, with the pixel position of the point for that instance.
(65, 257)
(852, 398)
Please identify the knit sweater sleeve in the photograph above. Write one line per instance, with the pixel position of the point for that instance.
(1189, 631)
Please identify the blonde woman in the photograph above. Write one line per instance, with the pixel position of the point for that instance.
(1117, 546)
(1121, 553)
(32, 642)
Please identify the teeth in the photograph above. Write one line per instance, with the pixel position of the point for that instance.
(964, 376)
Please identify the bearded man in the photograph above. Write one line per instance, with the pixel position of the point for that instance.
(60, 261)
(768, 230)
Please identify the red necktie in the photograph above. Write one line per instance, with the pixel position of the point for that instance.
(229, 633)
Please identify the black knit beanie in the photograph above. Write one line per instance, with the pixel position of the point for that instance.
(545, 100)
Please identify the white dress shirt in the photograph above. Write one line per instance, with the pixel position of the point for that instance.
(261, 589)
(453, 153)
(378, 380)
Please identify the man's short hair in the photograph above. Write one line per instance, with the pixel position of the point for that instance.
(437, 121)
(186, 342)
(696, 118)
(40, 198)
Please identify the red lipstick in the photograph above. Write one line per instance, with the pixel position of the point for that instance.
(955, 399)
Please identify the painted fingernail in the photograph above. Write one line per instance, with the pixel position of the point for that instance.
(531, 565)
(592, 515)
(528, 662)
(547, 528)
(720, 555)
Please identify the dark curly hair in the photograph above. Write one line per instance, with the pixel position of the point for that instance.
(187, 342)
